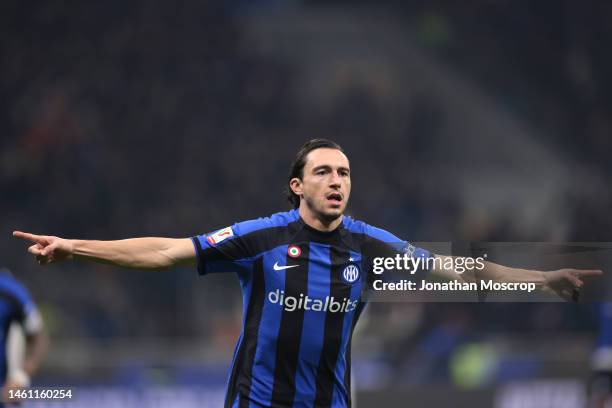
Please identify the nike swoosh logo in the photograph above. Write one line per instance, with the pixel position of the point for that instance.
(277, 267)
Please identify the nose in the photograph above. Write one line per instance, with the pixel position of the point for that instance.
(335, 180)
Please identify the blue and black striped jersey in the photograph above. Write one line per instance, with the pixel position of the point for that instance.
(16, 305)
(302, 296)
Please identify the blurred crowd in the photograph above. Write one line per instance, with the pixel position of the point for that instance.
(155, 118)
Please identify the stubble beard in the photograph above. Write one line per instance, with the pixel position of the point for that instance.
(323, 215)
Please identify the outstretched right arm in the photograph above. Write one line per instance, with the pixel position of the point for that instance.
(139, 253)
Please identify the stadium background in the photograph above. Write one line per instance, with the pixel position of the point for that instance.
(480, 121)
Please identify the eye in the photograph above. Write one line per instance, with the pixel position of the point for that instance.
(321, 172)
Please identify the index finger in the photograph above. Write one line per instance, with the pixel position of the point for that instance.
(27, 236)
(589, 272)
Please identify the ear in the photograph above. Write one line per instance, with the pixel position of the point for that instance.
(295, 184)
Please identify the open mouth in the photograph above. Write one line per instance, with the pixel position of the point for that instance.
(334, 197)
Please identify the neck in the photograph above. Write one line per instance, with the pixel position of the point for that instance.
(319, 223)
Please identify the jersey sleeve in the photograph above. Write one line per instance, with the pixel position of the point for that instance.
(380, 245)
(223, 250)
(234, 248)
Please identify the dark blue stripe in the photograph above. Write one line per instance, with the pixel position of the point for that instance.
(253, 297)
(334, 322)
(265, 356)
(289, 335)
(311, 342)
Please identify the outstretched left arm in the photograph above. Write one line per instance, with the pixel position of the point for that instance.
(563, 282)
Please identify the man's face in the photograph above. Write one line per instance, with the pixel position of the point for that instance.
(326, 185)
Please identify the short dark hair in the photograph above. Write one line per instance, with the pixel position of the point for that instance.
(297, 167)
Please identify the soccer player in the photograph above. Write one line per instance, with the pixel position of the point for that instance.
(302, 273)
(600, 383)
(16, 306)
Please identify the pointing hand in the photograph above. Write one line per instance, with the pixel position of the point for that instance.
(46, 248)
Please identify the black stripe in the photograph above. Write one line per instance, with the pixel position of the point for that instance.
(333, 328)
(290, 332)
(347, 370)
(240, 378)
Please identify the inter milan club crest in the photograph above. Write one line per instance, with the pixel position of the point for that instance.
(351, 273)
(294, 251)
